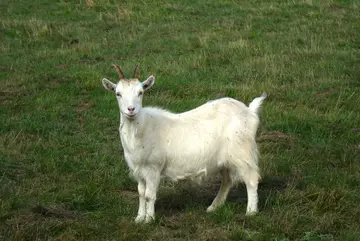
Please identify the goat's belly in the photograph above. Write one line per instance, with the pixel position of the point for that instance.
(195, 159)
(195, 170)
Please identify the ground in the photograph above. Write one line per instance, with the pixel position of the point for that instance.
(62, 172)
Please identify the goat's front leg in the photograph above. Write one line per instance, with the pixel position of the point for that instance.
(142, 202)
(152, 183)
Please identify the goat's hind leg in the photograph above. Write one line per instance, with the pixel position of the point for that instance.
(220, 198)
(251, 183)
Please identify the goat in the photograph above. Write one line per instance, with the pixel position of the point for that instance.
(217, 137)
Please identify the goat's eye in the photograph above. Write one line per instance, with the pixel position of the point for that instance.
(118, 94)
(140, 93)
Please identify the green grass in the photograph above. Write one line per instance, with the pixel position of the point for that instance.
(62, 173)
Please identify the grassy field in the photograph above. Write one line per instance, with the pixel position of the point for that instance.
(62, 173)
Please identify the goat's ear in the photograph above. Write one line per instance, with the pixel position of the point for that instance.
(110, 86)
(148, 83)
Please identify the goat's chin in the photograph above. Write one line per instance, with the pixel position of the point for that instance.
(130, 116)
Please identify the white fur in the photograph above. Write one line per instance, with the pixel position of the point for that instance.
(217, 137)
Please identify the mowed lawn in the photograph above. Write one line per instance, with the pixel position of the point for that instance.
(62, 171)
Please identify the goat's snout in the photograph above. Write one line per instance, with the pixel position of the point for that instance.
(131, 109)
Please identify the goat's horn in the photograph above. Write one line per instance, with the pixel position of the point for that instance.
(136, 71)
(118, 70)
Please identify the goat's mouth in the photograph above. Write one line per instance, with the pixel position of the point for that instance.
(131, 116)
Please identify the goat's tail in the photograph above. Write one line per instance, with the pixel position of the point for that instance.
(256, 103)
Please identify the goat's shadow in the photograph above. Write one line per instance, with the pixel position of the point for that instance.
(179, 197)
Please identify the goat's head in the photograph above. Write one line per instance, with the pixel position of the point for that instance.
(129, 92)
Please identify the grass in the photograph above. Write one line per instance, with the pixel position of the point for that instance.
(62, 173)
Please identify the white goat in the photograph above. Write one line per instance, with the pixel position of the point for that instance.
(217, 137)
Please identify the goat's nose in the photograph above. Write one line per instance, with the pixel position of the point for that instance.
(131, 108)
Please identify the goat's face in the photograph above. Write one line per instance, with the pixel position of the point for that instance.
(129, 94)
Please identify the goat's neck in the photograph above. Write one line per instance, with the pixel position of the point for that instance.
(131, 132)
(133, 126)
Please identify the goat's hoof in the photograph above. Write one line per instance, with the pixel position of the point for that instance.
(149, 219)
(139, 219)
(251, 213)
(210, 209)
